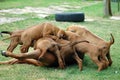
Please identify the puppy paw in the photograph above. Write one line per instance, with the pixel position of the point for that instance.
(62, 66)
(110, 62)
(3, 53)
(41, 59)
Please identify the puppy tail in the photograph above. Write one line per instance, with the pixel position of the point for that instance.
(112, 39)
(73, 43)
(11, 37)
(76, 42)
(6, 32)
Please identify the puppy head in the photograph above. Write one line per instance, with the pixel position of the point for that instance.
(61, 34)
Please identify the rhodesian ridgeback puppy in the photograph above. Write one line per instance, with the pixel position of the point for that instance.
(92, 38)
(92, 50)
(36, 32)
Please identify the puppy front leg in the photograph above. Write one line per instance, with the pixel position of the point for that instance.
(104, 60)
(40, 58)
(98, 63)
(31, 55)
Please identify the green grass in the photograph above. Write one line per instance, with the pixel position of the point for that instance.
(101, 27)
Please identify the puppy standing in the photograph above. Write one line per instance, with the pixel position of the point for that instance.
(92, 50)
(34, 33)
(86, 34)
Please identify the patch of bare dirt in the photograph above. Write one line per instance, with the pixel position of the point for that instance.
(115, 17)
(9, 20)
(40, 12)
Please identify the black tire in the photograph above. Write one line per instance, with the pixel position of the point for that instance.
(70, 16)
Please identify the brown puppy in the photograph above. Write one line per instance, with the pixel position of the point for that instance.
(36, 32)
(92, 38)
(15, 40)
(92, 50)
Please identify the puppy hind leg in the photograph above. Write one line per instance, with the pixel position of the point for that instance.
(60, 61)
(12, 46)
(104, 61)
(76, 57)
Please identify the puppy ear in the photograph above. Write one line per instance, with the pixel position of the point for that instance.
(60, 33)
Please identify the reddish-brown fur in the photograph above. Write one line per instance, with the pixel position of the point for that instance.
(31, 34)
(15, 40)
(92, 50)
(31, 57)
(92, 38)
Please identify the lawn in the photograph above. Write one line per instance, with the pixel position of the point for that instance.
(100, 26)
